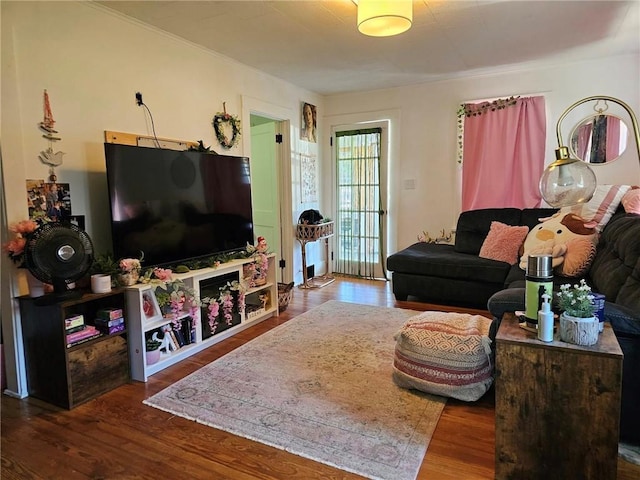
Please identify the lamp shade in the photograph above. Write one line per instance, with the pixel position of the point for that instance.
(567, 181)
(384, 18)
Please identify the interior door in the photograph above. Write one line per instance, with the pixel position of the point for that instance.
(264, 184)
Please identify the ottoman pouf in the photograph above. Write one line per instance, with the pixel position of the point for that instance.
(446, 354)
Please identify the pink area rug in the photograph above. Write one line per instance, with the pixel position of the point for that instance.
(318, 386)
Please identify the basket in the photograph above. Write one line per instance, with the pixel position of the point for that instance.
(314, 232)
(285, 294)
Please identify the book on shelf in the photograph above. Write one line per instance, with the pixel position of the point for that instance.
(108, 323)
(188, 333)
(88, 333)
(74, 329)
(111, 330)
(109, 313)
(75, 322)
(174, 339)
(179, 336)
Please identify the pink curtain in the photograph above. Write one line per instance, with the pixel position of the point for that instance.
(504, 156)
(584, 137)
(613, 138)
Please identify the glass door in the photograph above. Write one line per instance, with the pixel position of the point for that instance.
(360, 208)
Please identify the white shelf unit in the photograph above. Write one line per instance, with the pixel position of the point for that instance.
(139, 323)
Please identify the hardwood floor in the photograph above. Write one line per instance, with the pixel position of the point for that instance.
(117, 437)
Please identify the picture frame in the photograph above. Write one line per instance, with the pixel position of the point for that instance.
(150, 305)
(309, 123)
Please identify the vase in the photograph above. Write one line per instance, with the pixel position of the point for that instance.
(101, 283)
(579, 331)
(153, 356)
(128, 279)
(36, 287)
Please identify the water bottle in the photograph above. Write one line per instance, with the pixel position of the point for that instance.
(539, 281)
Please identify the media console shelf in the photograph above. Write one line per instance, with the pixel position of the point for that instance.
(194, 335)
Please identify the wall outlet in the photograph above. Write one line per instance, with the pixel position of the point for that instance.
(138, 98)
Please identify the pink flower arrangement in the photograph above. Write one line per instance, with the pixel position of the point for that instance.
(212, 315)
(227, 307)
(129, 265)
(227, 301)
(163, 274)
(15, 247)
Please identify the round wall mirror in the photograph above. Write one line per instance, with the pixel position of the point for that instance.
(598, 139)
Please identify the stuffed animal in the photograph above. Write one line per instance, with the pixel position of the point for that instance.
(548, 247)
(568, 238)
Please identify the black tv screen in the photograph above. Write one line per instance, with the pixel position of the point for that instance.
(177, 205)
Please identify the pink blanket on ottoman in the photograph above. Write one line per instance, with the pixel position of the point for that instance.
(444, 354)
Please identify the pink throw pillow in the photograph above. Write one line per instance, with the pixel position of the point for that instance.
(602, 205)
(503, 242)
(631, 201)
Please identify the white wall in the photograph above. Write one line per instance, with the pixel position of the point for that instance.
(427, 150)
(92, 62)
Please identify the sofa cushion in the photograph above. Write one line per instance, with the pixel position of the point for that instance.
(503, 242)
(615, 271)
(631, 201)
(625, 322)
(473, 226)
(442, 261)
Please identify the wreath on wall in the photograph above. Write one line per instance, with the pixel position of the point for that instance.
(219, 121)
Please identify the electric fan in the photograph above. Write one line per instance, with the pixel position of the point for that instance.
(58, 254)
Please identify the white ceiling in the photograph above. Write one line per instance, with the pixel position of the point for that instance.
(315, 44)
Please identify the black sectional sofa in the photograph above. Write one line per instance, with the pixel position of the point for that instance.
(456, 275)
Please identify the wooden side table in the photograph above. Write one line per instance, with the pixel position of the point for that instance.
(557, 406)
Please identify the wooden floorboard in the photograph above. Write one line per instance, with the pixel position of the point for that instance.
(117, 437)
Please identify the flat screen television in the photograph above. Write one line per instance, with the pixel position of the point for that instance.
(176, 206)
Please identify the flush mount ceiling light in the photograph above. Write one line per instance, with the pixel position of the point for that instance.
(384, 18)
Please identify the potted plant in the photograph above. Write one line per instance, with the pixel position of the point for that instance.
(104, 265)
(152, 350)
(578, 324)
(129, 270)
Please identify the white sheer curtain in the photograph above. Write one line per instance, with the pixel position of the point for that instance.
(359, 240)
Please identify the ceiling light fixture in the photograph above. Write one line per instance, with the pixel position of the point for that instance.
(384, 18)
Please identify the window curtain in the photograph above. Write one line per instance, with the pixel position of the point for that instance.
(613, 138)
(503, 154)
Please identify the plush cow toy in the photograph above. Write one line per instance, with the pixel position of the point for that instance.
(568, 238)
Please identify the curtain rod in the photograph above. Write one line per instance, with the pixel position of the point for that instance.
(490, 99)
